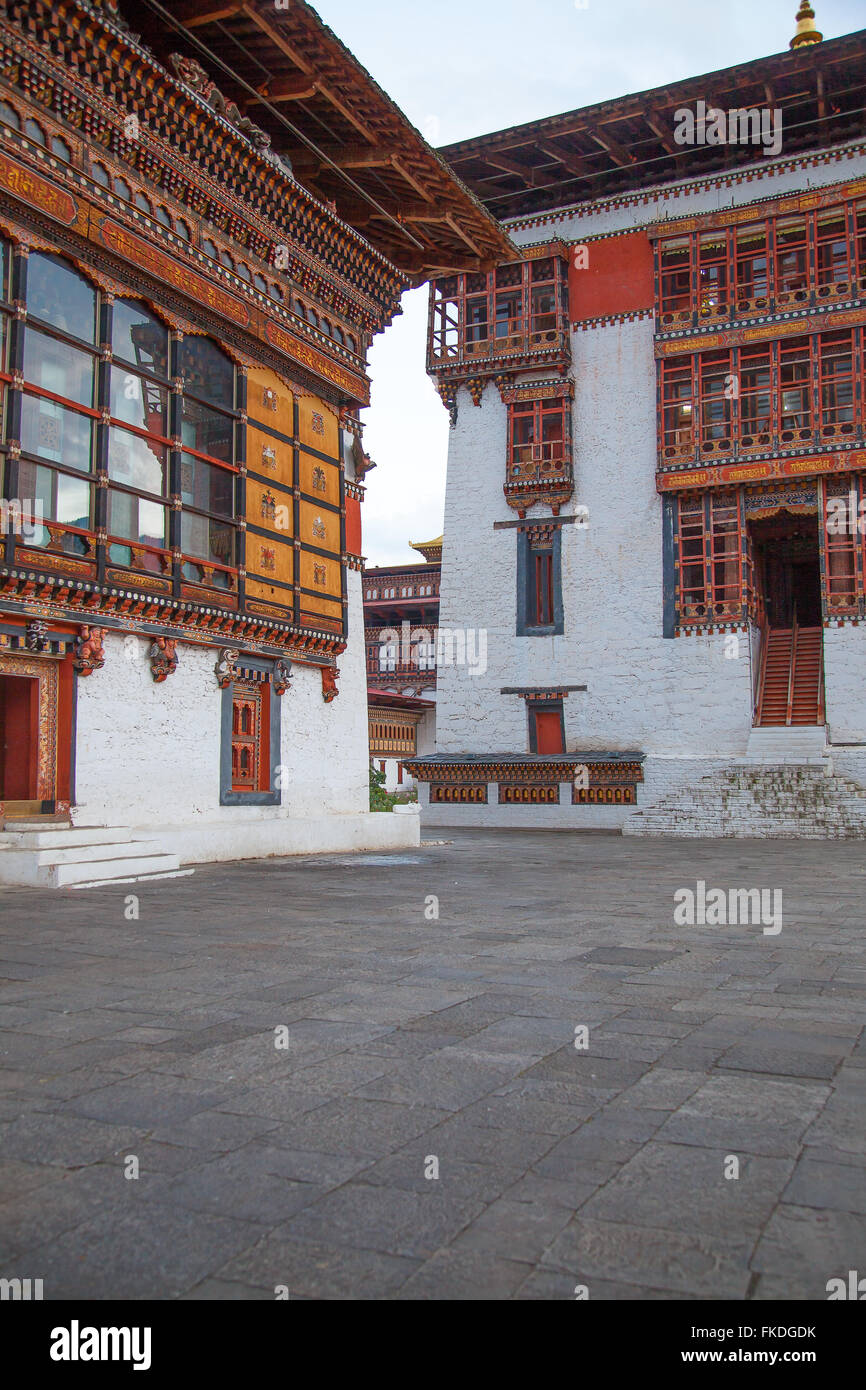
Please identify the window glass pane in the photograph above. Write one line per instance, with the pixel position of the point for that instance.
(209, 431)
(52, 432)
(57, 367)
(56, 294)
(136, 518)
(211, 540)
(138, 337)
(136, 462)
(138, 401)
(59, 498)
(207, 372)
(205, 486)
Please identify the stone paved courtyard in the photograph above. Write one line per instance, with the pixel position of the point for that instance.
(412, 1038)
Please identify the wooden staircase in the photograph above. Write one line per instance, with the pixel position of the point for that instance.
(792, 677)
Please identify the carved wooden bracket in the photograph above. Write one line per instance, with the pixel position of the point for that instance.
(89, 652)
(163, 658)
(225, 669)
(280, 680)
(329, 683)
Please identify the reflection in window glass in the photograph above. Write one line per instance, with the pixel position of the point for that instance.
(61, 150)
(135, 461)
(35, 131)
(206, 486)
(9, 116)
(208, 431)
(57, 295)
(138, 337)
(207, 539)
(207, 372)
(136, 518)
(62, 499)
(52, 432)
(57, 367)
(138, 401)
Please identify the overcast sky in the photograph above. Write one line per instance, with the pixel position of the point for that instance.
(460, 68)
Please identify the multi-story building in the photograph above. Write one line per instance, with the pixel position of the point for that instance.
(202, 225)
(656, 479)
(401, 622)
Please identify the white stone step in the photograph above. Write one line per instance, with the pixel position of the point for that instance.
(86, 854)
(41, 838)
(110, 870)
(141, 878)
(781, 743)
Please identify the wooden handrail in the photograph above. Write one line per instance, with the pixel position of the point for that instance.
(791, 670)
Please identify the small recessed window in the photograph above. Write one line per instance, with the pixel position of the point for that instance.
(208, 247)
(312, 317)
(182, 229)
(226, 260)
(162, 215)
(326, 327)
(260, 283)
(35, 131)
(9, 116)
(142, 202)
(244, 272)
(122, 189)
(351, 342)
(277, 294)
(61, 150)
(338, 334)
(99, 174)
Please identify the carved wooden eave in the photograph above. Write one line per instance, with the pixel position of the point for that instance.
(616, 147)
(352, 147)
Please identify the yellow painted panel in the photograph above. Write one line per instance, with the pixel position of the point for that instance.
(269, 400)
(320, 479)
(269, 558)
(320, 527)
(269, 456)
(320, 574)
(329, 608)
(269, 507)
(258, 588)
(318, 426)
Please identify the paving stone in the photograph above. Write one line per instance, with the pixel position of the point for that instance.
(313, 1269)
(390, 1220)
(455, 1038)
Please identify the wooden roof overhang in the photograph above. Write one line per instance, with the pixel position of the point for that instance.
(616, 147)
(346, 140)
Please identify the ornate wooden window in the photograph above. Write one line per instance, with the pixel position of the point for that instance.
(716, 395)
(676, 278)
(539, 581)
(792, 260)
(711, 572)
(836, 383)
(712, 274)
(247, 737)
(59, 406)
(752, 267)
(780, 262)
(833, 262)
(138, 439)
(794, 405)
(843, 545)
(518, 307)
(756, 396)
(678, 408)
(77, 420)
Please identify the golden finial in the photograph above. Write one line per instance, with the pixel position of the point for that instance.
(807, 31)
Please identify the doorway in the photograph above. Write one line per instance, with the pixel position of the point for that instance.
(19, 738)
(787, 576)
